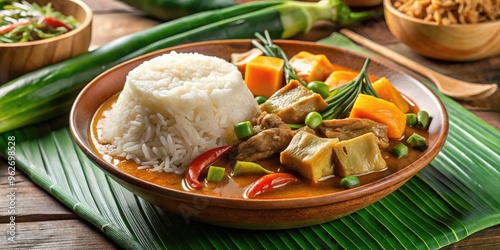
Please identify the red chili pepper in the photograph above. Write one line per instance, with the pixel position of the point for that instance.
(9, 27)
(203, 161)
(269, 181)
(55, 23)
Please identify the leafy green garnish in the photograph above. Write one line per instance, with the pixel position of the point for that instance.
(341, 99)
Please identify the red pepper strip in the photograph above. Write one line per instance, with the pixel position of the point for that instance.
(9, 27)
(203, 161)
(268, 182)
(55, 23)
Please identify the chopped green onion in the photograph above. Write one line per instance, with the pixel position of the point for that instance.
(400, 150)
(423, 119)
(417, 141)
(349, 182)
(215, 173)
(319, 88)
(260, 99)
(411, 119)
(248, 167)
(243, 130)
(313, 119)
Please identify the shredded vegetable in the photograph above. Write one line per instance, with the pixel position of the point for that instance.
(25, 22)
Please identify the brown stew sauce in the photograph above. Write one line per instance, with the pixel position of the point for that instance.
(234, 186)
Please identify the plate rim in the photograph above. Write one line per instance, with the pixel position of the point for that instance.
(129, 181)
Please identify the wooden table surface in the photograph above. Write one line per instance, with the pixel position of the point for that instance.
(44, 223)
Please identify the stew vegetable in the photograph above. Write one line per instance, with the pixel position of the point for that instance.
(308, 140)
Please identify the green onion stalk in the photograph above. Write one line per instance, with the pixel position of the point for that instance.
(50, 91)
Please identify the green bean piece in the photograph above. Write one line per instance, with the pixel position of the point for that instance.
(243, 130)
(260, 99)
(295, 126)
(423, 119)
(411, 119)
(215, 173)
(319, 88)
(417, 141)
(313, 119)
(400, 150)
(248, 167)
(349, 182)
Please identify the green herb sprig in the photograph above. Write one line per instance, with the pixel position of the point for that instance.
(273, 50)
(340, 100)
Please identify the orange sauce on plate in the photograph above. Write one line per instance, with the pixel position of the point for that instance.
(234, 186)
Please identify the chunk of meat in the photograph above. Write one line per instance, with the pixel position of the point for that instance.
(266, 121)
(348, 128)
(311, 67)
(241, 59)
(264, 144)
(309, 155)
(293, 102)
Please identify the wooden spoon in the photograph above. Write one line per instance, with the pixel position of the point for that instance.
(457, 89)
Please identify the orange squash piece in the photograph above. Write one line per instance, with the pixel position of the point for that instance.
(381, 111)
(388, 92)
(311, 67)
(336, 67)
(264, 75)
(341, 77)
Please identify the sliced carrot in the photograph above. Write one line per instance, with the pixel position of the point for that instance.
(340, 77)
(381, 111)
(388, 92)
(9, 27)
(311, 67)
(264, 75)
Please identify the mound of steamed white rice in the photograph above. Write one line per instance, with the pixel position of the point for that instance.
(174, 107)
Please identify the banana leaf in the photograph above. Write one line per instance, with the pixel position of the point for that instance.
(452, 198)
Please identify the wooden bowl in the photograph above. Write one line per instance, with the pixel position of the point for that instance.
(20, 58)
(259, 213)
(455, 42)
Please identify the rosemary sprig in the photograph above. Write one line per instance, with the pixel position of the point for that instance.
(341, 99)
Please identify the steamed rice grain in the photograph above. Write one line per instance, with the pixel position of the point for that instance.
(174, 107)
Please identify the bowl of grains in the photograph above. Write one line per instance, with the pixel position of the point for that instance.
(451, 30)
